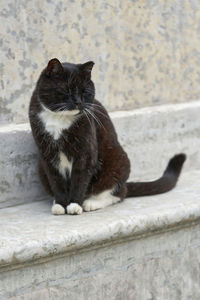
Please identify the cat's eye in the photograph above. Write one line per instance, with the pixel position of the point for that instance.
(62, 91)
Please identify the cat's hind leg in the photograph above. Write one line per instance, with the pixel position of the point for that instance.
(109, 186)
(104, 199)
(100, 201)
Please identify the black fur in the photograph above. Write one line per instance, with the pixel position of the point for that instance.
(99, 161)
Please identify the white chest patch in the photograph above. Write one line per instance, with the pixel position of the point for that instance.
(56, 122)
(64, 165)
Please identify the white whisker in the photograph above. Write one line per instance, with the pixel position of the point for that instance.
(95, 117)
(88, 118)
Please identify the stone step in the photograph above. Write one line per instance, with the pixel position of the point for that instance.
(150, 136)
(142, 248)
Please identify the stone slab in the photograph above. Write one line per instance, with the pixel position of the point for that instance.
(149, 135)
(163, 266)
(19, 181)
(29, 232)
(142, 248)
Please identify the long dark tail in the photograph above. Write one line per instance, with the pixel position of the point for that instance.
(161, 185)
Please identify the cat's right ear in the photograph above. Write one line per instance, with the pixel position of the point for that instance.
(54, 67)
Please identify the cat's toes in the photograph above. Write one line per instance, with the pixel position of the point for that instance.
(74, 209)
(89, 205)
(57, 209)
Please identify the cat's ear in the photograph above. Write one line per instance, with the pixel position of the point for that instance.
(87, 68)
(54, 67)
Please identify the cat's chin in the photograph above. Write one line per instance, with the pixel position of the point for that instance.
(74, 112)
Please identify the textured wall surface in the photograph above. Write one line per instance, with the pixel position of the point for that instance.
(146, 52)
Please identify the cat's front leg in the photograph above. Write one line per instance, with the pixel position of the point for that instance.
(61, 196)
(74, 209)
(80, 179)
(58, 186)
(57, 209)
(60, 200)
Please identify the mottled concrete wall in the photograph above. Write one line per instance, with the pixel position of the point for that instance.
(146, 52)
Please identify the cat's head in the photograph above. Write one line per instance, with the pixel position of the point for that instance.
(66, 88)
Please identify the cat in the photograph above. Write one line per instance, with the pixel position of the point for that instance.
(81, 163)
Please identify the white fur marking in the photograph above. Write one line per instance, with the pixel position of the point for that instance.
(55, 122)
(74, 209)
(64, 165)
(100, 201)
(57, 209)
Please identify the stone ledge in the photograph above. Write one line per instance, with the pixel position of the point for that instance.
(163, 130)
(29, 233)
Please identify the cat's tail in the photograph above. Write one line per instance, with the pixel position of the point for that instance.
(161, 185)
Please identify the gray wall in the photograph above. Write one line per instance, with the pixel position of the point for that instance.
(146, 52)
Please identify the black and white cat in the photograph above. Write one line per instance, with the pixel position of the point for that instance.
(81, 163)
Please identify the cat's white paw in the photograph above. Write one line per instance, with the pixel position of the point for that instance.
(74, 209)
(89, 205)
(57, 209)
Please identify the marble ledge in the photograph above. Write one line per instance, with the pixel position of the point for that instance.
(29, 233)
(167, 108)
(164, 130)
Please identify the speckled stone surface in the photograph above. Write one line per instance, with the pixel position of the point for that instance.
(143, 248)
(19, 178)
(151, 136)
(146, 52)
(163, 266)
(28, 232)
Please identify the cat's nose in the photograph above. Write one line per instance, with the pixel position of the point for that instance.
(78, 103)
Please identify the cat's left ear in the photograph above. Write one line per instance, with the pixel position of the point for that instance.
(87, 68)
(54, 67)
